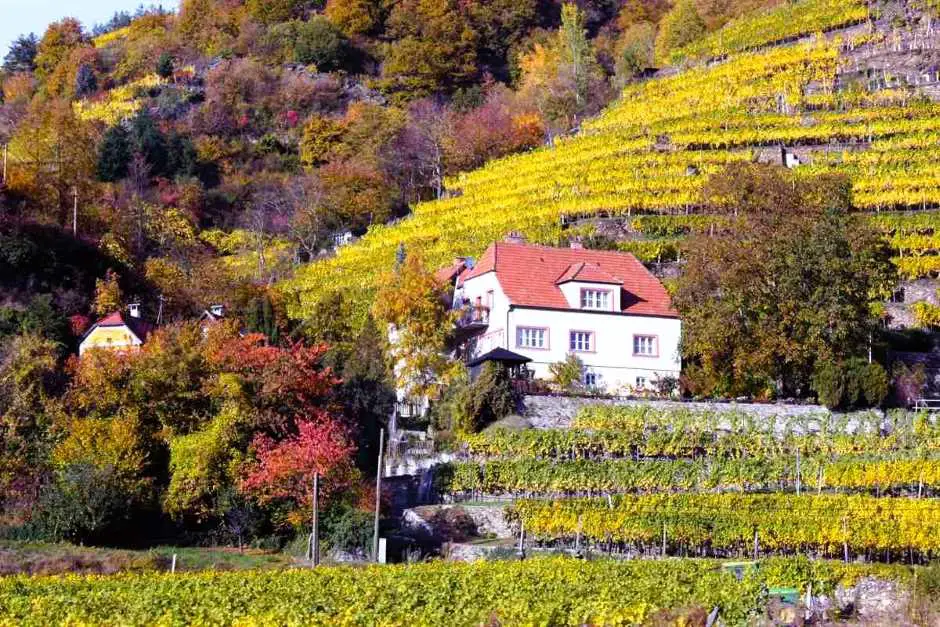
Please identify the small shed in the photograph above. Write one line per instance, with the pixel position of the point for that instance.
(514, 362)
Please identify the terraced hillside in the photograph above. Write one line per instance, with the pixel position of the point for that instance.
(707, 483)
(650, 153)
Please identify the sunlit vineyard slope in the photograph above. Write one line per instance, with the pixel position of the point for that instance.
(651, 152)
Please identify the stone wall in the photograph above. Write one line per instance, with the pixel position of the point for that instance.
(554, 412)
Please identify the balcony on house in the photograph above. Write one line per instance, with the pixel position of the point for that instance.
(473, 317)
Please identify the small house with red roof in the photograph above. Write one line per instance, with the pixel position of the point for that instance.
(542, 303)
(117, 331)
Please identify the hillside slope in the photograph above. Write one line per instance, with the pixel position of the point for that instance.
(651, 152)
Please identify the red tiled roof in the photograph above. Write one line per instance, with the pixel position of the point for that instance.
(447, 274)
(530, 275)
(589, 272)
(139, 327)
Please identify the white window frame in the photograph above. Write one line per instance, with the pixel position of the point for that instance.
(535, 338)
(595, 299)
(580, 341)
(645, 345)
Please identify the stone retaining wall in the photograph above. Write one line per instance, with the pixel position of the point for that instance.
(557, 412)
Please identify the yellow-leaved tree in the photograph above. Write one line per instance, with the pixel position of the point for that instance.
(412, 304)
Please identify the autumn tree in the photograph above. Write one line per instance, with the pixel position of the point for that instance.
(320, 136)
(562, 77)
(284, 470)
(274, 11)
(787, 287)
(56, 44)
(355, 17)
(500, 26)
(58, 159)
(680, 26)
(498, 127)
(635, 50)
(108, 295)
(433, 49)
(21, 55)
(357, 193)
(28, 381)
(411, 304)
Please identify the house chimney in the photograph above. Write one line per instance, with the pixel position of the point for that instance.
(134, 310)
(576, 244)
(515, 237)
(217, 310)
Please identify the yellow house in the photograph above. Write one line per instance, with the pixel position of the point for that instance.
(117, 332)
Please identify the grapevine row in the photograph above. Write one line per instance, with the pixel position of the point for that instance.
(829, 524)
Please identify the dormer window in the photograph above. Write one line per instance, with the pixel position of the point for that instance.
(595, 299)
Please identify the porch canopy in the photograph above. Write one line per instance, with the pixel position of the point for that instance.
(501, 355)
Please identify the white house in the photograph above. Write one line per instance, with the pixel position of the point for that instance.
(544, 303)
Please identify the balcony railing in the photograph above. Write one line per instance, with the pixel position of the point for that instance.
(474, 316)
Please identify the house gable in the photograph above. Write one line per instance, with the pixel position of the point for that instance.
(553, 278)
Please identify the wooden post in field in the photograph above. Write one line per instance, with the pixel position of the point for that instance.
(315, 539)
(845, 542)
(74, 211)
(378, 498)
(756, 545)
(522, 540)
(173, 564)
(799, 482)
(313, 544)
(664, 539)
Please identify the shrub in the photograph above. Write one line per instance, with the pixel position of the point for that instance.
(850, 383)
(316, 41)
(875, 384)
(164, 67)
(828, 384)
(85, 81)
(567, 374)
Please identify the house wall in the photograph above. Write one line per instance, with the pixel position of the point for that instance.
(114, 338)
(495, 334)
(612, 352)
(612, 355)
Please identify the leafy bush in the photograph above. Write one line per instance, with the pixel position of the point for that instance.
(567, 374)
(316, 41)
(469, 406)
(851, 383)
(164, 67)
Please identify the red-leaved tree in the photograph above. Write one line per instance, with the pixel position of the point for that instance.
(284, 470)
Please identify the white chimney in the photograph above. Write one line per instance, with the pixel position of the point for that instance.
(515, 237)
(217, 310)
(134, 310)
(576, 245)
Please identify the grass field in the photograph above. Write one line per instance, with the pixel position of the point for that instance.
(52, 559)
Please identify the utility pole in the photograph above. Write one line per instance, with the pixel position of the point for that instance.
(313, 549)
(75, 211)
(160, 299)
(378, 498)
